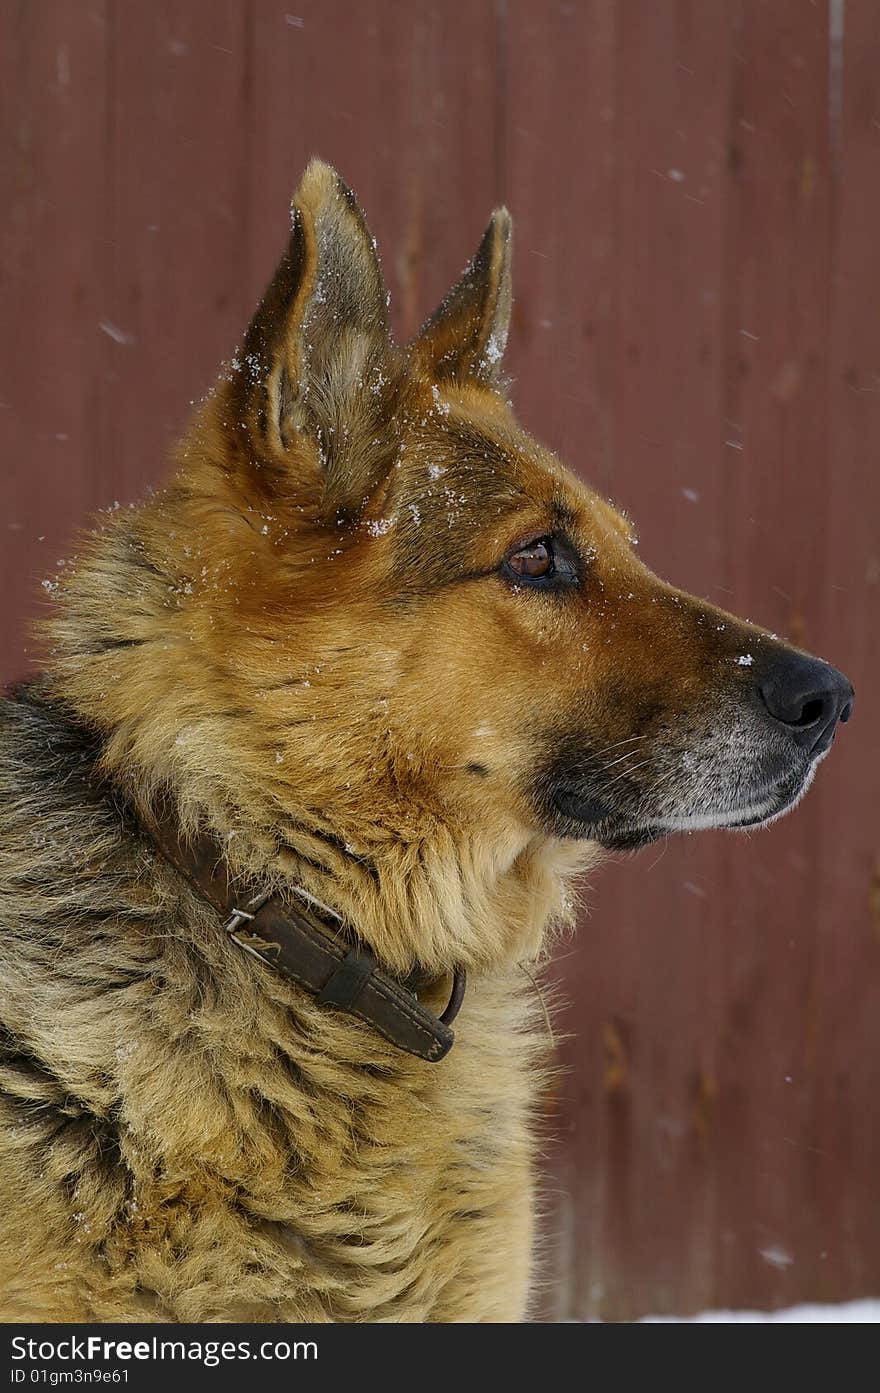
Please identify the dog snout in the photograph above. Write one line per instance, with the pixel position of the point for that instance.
(808, 697)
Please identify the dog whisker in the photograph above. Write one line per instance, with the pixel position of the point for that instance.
(620, 760)
(625, 773)
(630, 740)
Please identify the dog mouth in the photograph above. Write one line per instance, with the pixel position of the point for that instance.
(582, 814)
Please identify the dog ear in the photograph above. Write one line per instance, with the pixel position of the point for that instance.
(317, 365)
(465, 338)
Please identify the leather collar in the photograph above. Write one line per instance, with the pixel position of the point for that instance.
(302, 942)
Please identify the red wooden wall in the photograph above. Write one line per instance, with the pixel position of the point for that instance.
(696, 193)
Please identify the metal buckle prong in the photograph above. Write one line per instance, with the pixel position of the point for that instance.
(243, 916)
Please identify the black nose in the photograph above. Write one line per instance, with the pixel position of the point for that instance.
(808, 697)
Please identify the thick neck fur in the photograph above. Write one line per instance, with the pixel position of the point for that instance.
(184, 1135)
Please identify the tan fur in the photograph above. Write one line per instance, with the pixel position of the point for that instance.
(305, 645)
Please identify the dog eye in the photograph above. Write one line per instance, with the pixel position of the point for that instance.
(532, 561)
(547, 563)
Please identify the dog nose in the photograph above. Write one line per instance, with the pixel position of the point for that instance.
(808, 697)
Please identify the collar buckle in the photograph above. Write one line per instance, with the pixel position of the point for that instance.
(244, 916)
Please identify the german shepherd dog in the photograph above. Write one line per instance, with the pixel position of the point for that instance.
(404, 677)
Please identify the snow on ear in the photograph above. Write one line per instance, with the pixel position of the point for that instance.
(316, 365)
(465, 338)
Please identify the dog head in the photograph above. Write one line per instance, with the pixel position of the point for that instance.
(433, 583)
(377, 595)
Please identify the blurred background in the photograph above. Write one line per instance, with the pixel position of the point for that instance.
(695, 187)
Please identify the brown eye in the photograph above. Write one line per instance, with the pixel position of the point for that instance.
(532, 561)
(549, 563)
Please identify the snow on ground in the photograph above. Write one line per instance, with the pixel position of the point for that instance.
(863, 1312)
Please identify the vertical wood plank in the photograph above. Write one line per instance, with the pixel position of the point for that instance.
(559, 180)
(845, 1134)
(178, 221)
(53, 250)
(779, 222)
